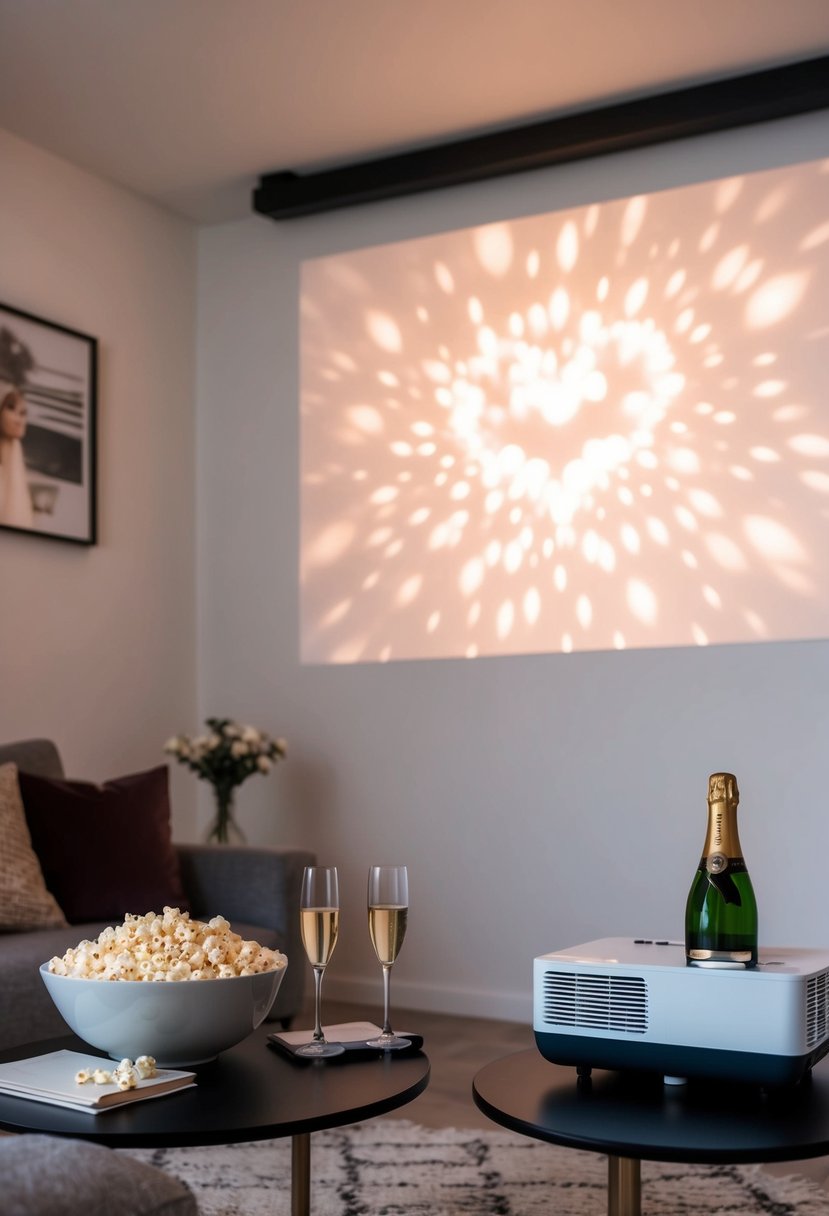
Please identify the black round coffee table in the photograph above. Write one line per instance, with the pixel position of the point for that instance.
(634, 1117)
(251, 1092)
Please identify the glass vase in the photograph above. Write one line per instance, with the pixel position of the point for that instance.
(223, 827)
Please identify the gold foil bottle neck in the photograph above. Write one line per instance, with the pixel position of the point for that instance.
(722, 787)
(722, 839)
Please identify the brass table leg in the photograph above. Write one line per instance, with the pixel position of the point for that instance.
(624, 1190)
(301, 1174)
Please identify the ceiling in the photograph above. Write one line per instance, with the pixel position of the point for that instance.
(187, 102)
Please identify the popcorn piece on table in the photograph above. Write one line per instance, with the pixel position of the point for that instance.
(126, 1075)
(145, 1067)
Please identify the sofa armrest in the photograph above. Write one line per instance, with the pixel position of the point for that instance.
(255, 885)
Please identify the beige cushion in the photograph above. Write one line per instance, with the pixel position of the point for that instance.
(25, 902)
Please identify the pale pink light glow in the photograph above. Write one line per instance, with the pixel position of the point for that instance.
(601, 428)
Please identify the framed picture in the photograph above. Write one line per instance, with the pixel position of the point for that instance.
(48, 400)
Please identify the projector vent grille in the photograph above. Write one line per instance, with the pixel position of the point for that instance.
(817, 1008)
(596, 1002)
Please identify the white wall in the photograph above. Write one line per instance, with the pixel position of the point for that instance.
(539, 801)
(97, 648)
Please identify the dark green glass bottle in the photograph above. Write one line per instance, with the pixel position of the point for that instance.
(721, 912)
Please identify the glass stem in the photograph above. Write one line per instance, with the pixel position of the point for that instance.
(318, 1035)
(387, 1030)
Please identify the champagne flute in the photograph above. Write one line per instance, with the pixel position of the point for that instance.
(388, 908)
(319, 910)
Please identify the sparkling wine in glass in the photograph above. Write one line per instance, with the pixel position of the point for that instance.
(388, 909)
(319, 911)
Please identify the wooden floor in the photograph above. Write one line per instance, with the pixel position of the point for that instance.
(457, 1048)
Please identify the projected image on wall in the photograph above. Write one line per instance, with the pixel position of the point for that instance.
(599, 428)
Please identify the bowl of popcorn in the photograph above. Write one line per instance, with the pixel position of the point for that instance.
(166, 986)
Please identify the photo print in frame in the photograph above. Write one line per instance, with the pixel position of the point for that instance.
(48, 400)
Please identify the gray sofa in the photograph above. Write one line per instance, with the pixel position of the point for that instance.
(256, 889)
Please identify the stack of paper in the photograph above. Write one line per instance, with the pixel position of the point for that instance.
(51, 1078)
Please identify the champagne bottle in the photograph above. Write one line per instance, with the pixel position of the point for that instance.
(721, 912)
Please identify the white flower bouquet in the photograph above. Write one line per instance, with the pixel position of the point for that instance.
(226, 755)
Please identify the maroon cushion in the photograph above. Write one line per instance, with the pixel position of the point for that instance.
(105, 850)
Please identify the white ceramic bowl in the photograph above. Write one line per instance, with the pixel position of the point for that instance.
(180, 1023)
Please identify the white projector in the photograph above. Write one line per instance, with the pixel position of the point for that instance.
(623, 1004)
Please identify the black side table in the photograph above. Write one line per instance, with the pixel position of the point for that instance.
(634, 1117)
(250, 1092)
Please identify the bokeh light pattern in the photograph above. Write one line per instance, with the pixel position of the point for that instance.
(599, 428)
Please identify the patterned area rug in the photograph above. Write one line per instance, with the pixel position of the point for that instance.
(395, 1168)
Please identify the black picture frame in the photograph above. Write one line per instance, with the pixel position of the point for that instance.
(48, 422)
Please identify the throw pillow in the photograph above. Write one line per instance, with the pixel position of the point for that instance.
(105, 849)
(25, 901)
(53, 1176)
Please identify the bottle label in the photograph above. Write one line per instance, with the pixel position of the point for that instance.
(720, 958)
(722, 836)
(719, 870)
